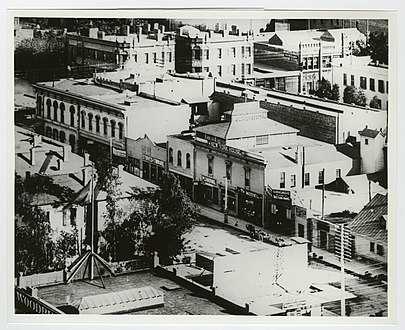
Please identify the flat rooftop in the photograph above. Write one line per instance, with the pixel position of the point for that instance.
(180, 301)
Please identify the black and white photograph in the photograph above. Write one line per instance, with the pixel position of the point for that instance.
(211, 166)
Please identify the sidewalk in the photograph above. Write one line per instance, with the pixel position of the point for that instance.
(353, 266)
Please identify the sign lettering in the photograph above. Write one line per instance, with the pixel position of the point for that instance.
(250, 193)
(224, 147)
(208, 181)
(153, 160)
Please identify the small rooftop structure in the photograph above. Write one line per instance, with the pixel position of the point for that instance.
(121, 301)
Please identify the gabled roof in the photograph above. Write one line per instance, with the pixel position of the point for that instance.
(219, 130)
(368, 221)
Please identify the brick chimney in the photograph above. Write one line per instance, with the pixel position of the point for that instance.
(32, 156)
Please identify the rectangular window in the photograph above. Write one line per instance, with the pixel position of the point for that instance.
(273, 208)
(146, 58)
(352, 80)
(233, 69)
(169, 56)
(247, 177)
(306, 179)
(320, 177)
(163, 57)
(219, 52)
(386, 90)
(135, 57)
(293, 180)
(73, 216)
(372, 84)
(372, 248)
(243, 51)
(248, 68)
(243, 69)
(366, 142)
(262, 139)
(288, 214)
(219, 70)
(206, 54)
(381, 86)
(338, 173)
(154, 57)
(282, 180)
(363, 82)
(249, 51)
(233, 51)
(210, 165)
(345, 79)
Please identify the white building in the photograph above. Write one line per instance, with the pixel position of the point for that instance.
(372, 143)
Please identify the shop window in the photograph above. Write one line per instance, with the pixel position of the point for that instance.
(170, 155)
(282, 180)
(293, 181)
(188, 162)
(372, 84)
(320, 177)
(247, 177)
(179, 158)
(306, 179)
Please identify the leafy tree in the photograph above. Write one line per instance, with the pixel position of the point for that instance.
(352, 95)
(379, 47)
(156, 221)
(325, 90)
(44, 52)
(360, 48)
(106, 167)
(375, 102)
(65, 247)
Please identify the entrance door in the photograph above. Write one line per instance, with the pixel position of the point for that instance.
(323, 239)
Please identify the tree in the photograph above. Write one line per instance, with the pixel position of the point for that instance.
(326, 91)
(379, 47)
(353, 96)
(375, 102)
(155, 221)
(65, 246)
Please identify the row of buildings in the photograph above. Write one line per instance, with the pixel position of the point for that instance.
(292, 61)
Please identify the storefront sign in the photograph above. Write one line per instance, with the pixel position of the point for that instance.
(224, 147)
(284, 195)
(208, 181)
(153, 160)
(250, 193)
(119, 153)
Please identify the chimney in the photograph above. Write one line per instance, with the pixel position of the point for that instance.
(101, 35)
(139, 30)
(125, 30)
(32, 156)
(158, 36)
(210, 34)
(59, 163)
(66, 149)
(162, 29)
(37, 140)
(27, 175)
(156, 26)
(85, 175)
(86, 159)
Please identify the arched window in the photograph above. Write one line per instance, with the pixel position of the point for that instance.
(188, 160)
(179, 158)
(112, 128)
(62, 137)
(72, 115)
(83, 117)
(97, 124)
(120, 131)
(171, 155)
(55, 111)
(48, 108)
(72, 141)
(62, 112)
(105, 124)
(90, 115)
(48, 132)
